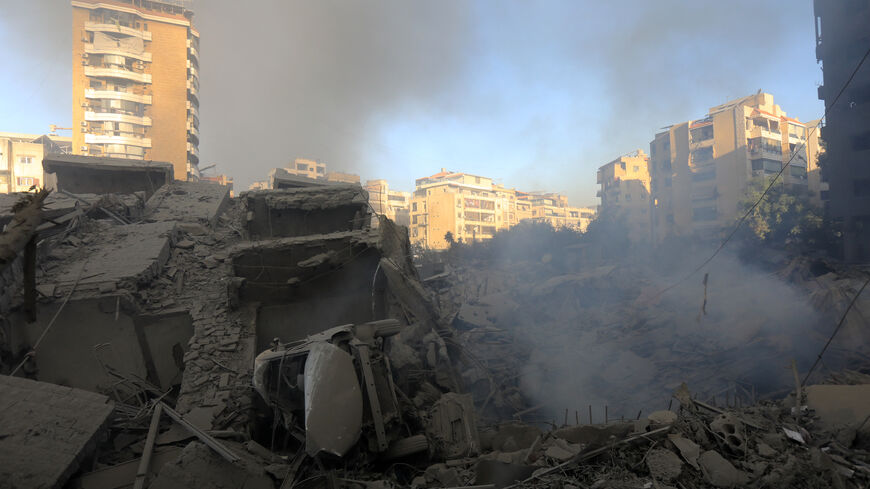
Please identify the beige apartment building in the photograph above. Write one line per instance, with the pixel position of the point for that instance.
(21, 159)
(136, 82)
(700, 169)
(625, 193)
(394, 204)
(554, 209)
(474, 208)
(304, 167)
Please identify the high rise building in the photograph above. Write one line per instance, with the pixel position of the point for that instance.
(700, 169)
(624, 193)
(841, 42)
(136, 81)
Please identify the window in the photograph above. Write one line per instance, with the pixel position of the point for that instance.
(25, 160)
(799, 172)
(414, 232)
(766, 165)
(414, 207)
(704, 176)
(635, 168)
(627, 197)
(702, 155)
(622, 165)
(413, 219)
(301, 166)
(476, 179)
(704, 214)
(320, 169)
(27, 181)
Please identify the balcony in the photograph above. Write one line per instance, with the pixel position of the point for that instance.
(193, 149)
(192, 69)
(192, 109)
(114, 117)
(113, 95)
(90, 49)
(127, 31)
(115, 72)
(128, 140)
(192, 129)
(192, 50)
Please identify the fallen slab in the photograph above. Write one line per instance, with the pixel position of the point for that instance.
(46, 431)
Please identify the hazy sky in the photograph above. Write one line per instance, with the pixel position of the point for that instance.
(536, 94)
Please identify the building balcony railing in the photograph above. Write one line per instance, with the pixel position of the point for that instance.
(192, 109)
(192, 129)
(115, 117)
(765, 153)
(115, 72)
(91, 93)
(194, 52)
(143, 56)
(193, 149)
(128, 140)
(128, 31)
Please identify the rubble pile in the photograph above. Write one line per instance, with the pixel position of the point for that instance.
(284, 338)
(601, 341)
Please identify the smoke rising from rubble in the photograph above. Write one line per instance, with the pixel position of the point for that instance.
(754, 325)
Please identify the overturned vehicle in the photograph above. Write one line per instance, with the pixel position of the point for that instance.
(334, 392)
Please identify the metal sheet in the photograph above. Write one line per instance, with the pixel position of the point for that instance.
(333, 401)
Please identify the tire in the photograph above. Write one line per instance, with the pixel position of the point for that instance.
(407, 446)
(386, 327)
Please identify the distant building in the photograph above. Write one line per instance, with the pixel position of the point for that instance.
(473, 208)
(21, 159)
(136, 81)
(554, 209)
(624, 192)
(337, 176)
(700, 169)
(841, 42)
(393, 204)
(304, 167)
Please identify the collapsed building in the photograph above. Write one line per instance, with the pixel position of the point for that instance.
(177, 337)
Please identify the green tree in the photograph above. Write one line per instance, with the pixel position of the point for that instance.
(784, 218)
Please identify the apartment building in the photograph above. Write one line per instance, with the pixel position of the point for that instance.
(553, 209)
(841, 43)
(699, 169)
(136, 81)
(474, 208)
(394, 204)
(21, 159)
(304, 167)
(625, 193)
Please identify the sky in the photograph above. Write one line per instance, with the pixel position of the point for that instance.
(536, 94)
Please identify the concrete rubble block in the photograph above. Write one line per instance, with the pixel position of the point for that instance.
(663, 464)
(452, 423)
(81, 174)
(199, 466)
(689, 450)
(306, 211)
(720, 472)
(662, 417)
(188, 202)
(561, 450)
(47, 431)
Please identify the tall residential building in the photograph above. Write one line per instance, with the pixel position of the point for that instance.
(700, 169)
(842, 40)
(394, 204)
(136, 81)
(624, 193)
(474, 208)
(21, 159)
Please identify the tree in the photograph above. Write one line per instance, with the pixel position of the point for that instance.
(784, 218)
(448, 236)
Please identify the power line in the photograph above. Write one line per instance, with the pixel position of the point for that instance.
(769, 186)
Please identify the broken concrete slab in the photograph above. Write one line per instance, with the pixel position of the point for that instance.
(46, 431)
(81, 174)
(663, 464)
(188, 202)
(199, 466)
(840, 405)
(305, 211)
(719, 471)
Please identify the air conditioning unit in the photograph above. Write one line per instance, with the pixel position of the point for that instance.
(84, 148)
(84, 123)
(85, 55)
(84, 105)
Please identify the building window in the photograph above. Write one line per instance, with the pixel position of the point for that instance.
(25, 160)
(414, 207)
(704, 214)
(704, 176)
(799, 172)
(635, 168)
(27, 181)
(413, 219)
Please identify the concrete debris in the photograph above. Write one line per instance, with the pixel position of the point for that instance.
(293, 344)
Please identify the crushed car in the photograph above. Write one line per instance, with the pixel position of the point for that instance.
(334, 392)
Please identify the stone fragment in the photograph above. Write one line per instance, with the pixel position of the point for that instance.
(719, 471)
(185, 244)
(664, 464)
(662, 417)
